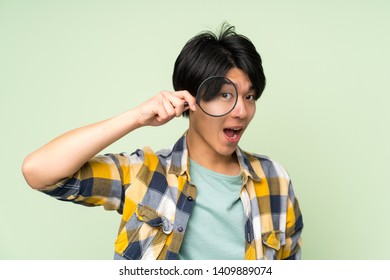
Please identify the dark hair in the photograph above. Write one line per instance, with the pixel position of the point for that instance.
(208, 55)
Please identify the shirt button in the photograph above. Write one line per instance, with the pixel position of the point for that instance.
(190, 198)
(180, 229)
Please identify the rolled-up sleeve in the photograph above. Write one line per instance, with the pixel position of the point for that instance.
(101, 181)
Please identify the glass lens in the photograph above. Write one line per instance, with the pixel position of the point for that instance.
(217, 96)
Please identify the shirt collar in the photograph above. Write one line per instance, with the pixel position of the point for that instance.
(180, 162)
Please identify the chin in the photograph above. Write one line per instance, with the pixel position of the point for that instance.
(227, 151)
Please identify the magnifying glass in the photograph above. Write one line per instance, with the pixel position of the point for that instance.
(216, 96)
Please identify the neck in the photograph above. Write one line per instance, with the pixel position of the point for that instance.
(210, 159)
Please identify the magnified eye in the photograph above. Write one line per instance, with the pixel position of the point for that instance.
(226, 95)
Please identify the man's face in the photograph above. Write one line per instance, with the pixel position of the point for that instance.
(219, 136)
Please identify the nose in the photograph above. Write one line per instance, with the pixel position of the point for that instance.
(240, 111)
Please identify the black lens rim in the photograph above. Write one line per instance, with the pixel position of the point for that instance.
(198, 95)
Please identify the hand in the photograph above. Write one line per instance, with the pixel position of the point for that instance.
(164, 106)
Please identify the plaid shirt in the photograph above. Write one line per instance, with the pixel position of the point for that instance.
(154, 194)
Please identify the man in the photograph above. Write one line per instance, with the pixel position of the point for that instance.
(204, 198)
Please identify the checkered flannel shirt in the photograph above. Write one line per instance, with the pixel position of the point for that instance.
(154, 194)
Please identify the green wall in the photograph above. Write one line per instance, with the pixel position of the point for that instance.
(324, 115)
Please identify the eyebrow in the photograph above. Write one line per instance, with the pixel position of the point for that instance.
(251, 88)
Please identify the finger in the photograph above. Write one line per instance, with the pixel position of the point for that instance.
(160, 112)
(180, 106)
(169, 105)
(189, 100)
(177, 102)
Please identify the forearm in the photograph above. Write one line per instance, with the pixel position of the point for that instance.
(66, 154)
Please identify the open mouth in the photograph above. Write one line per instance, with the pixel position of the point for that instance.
(233, 134)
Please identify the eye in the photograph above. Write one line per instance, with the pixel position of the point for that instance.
(226, 95)
(251, 97)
